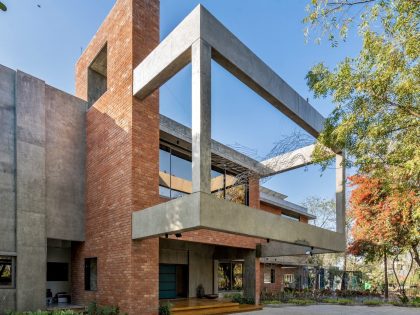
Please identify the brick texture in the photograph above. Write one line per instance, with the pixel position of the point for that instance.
(122, 140)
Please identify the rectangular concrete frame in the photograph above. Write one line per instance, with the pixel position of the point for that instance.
(174, 52)
(191, 41)
(202, 211)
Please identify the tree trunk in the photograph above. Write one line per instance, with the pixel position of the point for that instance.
(385, 276)
(344, 279)
(416, 254)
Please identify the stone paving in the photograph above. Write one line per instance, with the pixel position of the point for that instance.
(337, 310)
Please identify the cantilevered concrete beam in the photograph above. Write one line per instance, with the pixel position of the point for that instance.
(289, 160)
(174, 52)
(204, 211)
(340, 193)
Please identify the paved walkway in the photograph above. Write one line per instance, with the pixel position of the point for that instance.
(337, 310)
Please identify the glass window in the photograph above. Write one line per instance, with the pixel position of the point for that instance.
(269, 276)
(289, 279)
(175, 178)
(91, 274)
(6, 271)
(230, 276)
(57, 271)
(290, 217)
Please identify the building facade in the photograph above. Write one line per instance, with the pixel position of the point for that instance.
(105, 199)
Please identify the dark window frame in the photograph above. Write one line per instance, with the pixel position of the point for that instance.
(231, 264)
(88, 273)
(12, 284)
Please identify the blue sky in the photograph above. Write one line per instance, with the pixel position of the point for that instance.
(47, 41)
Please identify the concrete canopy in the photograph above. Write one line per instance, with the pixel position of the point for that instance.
(203, 211)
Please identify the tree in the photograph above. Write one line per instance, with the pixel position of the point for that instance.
(376, 119)
(385, 222)
(3, 6)
(384, 216)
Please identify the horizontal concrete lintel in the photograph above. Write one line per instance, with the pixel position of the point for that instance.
(203, 211)
(174, 52)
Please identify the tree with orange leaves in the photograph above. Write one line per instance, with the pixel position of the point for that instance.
(386, 220)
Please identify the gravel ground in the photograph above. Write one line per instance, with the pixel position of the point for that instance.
(337, 310)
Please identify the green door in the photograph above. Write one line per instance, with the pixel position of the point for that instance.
(167, 281)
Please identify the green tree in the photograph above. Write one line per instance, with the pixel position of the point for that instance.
(3, 6)
(376, 119)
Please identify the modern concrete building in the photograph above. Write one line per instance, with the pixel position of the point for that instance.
(105, 199)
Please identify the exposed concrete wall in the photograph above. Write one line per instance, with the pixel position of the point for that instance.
(30, 190)
(42, 148)
(65, 164)
(7, 162)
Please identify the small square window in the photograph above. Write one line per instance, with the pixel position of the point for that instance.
(270, 276)
(91, 274)
(97, 76)
(7, 267)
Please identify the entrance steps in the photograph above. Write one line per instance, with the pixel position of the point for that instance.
(214, 308)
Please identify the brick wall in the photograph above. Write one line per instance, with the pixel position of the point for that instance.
(278, 285)
(120, 131)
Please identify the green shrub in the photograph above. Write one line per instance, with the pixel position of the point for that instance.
(165, 309)
(301, 301)
(271, 302)
(236, 298)
(372, 302)
(415, 302)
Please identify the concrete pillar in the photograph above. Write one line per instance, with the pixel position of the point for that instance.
(340, 193)
(252, 276)
(201, 116)
(31, 240)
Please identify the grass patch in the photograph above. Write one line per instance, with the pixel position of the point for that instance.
(338, 301)
(301, 301)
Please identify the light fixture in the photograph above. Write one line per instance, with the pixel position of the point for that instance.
(178, 235)
(268, 240)
(166, 235)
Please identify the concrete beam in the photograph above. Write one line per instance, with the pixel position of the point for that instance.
(173, 53)
(278, 249)
(289, 160)
(204, 211)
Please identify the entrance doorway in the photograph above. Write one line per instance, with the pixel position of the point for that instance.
(173, 281)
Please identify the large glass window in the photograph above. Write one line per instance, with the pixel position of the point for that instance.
(6, 271)
(175, 178)
(230, 276)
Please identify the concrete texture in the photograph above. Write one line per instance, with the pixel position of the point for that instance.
(336, 310)
(340, 193)
(7, 161)
(65, 160)
(42, 149)
(200, 210)
(31, 236)
(250, 276)
(172, 54)
(201, 116)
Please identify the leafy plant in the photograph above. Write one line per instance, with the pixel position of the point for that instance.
(165, 309)
(3, 6)
(372, 302)
(301, 301)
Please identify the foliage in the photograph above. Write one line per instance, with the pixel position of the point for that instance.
(301, 301)
(386, 218)
(376, 119)
(58, 312)
(324, 209)
(337, 301)
(3, 6)
(165, 309)
(95, 309)
(372, 302)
